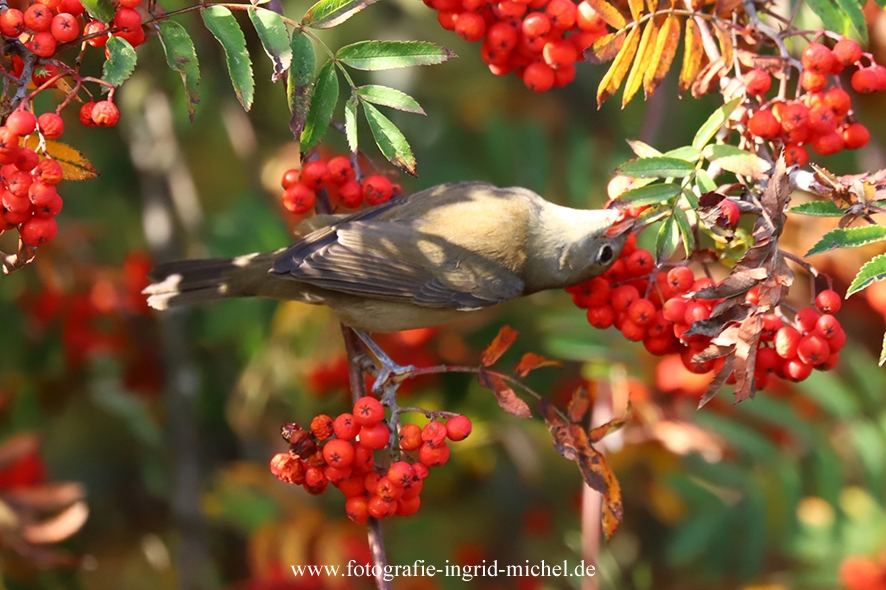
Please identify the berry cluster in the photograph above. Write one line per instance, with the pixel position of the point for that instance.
(538, 40)
(340, 179)
(341, 450)
(820, 117)
(29, 200)
(46, 24)
(658, 307)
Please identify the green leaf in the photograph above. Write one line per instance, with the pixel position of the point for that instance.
(274, 38)
(883, 352)
(849, 237)
(656, 167)
(830, 15)
(101, 10)
(644, 150)
(705, 183)
(351, 121)
(707, 131)
(322, 104)
(389, 97)
(685, 229)
(121, 61)
(687, 153)
(224, 27)
(737, 161)
(853, 18)
(652, 194)
(880, 3)
(818, 209)
(329, 13)
(300, 83)
(874, 270)
(667, 240)
(182, 58)
(390, 140)
(385, 55)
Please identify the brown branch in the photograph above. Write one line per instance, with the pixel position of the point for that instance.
(13, 262)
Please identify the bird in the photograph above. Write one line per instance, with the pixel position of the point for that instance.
(416, 261)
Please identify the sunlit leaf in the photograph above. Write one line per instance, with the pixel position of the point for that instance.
(390, 139)
(323, 101)
(657, 167)
(606, 47)
(738, 161)
(386, 55)
(882, 360)
(636, 7)
(503, 340)
(608, 13)
(687, 153)
(182, 58)
(849, 237)
(693, 52)
(74, 165)
(274, 38)
(329, 13)
(351, 107)
(120, 62)
(710, 127)
(619, 68)
(531, 361)
(873, 271)
(651, 195)
(641, 149)
(665, 50)
(724, 37)
(224, 27)
(300, 84)
(818, 209)
(642, 61)
(389, 97)
(685, 229)
(855, 24)
(705, 182)
(668, 239)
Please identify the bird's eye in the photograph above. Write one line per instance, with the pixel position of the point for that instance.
(604, 254)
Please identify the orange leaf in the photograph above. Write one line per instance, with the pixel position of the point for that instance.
(663, 56)
(531, 361)
(605, 48)
(727, 47)
(599, 476)
(498, 346)
(597, 434)
(613, 78)
(74, 165)
(693, 52)
(505, 396)
(608, 13)
(636, 7)
(642, 63)
(579, 405)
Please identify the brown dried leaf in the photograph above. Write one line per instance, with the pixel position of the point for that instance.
(727, 47)
(663, 56)
(636, 7)
(579, 405)
(498, 346)
(642, 62)
(608, 13)
(613, 78)
(708, 77)
(693, 53)
(532, 361)
(777, 195)
(507, 399)
(713, 326)
(740, 281)
(59, 527)
(605, 48)
(725, 8)
(599, 476)
(559, 430)
(746, 356)
(597, 434)
(717, 384)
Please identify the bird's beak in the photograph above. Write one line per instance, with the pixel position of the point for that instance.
(620, 226)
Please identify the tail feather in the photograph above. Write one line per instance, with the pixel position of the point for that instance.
(184, 282)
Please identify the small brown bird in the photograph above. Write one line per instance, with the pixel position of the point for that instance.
(418, 260)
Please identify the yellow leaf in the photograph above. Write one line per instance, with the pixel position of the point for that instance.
(613, 78)
(636, 7)
(642, 63)
(727, 47)
(607, 47)
(74, 165)
(693, 52)
(608, 13)
(663, 56)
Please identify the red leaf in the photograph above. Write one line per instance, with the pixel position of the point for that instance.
(497, 347)
(506, 397)
(579, 405)
(531, 361)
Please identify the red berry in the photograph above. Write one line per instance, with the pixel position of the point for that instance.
(410, 437)
(345, 427)
(764, 124)
(95, 26)
(693, 365)
(681, 278)
(786, 341)
(632, 331)
(299, 199)
(377, 189)
(340, 170)
(408, 506)
(795, 155)
(375, 437)
(828, 301)
(401, 474)
(640, 263)
(729, 213)
(289, 178)
(434, 432)
(21, 122)
(379, 508)
(796, 115)
(847, 52)
(796, 370)
(357, 509)
(130, 3)
(601, 317)
(49, 171)
(594, 293)
(37, 231)
(350, 194)
(838, 100)
(674, 310)
(806, 319)
(562, 13)
(622, 297)
(828, 143)
(813, 350)
(38, 18)
(696, 312)
(65, 27)
(105, 113)
(321, 427)
(767, 361)
(856, 135)
(818, 58)
(641, 312)
(368, 411)
(42, 44)
(127, 19)
(458, 428)
(315, 175)
(588, 19)
(559, 53)
(539, 77)
(865, 81)
(72, 7)
(470, 26)
(338, 453)
(536, 25)
(433, 455)
(45, 199)
(827, 327)
(51, 125)
(822, 120)
(27, 159)
(564, 75)
(12, 22)
(813, 81)
(757, 81)
(288, 468)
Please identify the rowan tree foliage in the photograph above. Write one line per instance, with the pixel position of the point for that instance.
(732, 283)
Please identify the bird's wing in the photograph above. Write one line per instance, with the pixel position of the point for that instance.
(395, 260)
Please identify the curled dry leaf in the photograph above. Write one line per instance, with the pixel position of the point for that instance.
(579, 405)
(503, 340)
(507, 399)
(532, 361)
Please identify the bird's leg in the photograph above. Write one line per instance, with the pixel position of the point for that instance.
(386, 368)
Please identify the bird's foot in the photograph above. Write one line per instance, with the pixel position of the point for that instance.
(388, 374)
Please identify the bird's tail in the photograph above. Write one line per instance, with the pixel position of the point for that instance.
(184, 282)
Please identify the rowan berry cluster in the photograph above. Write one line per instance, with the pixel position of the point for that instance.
(46, 24)
(340, 179)
(341, 451)
(658, 307)
(538, 40)
(821, 116)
